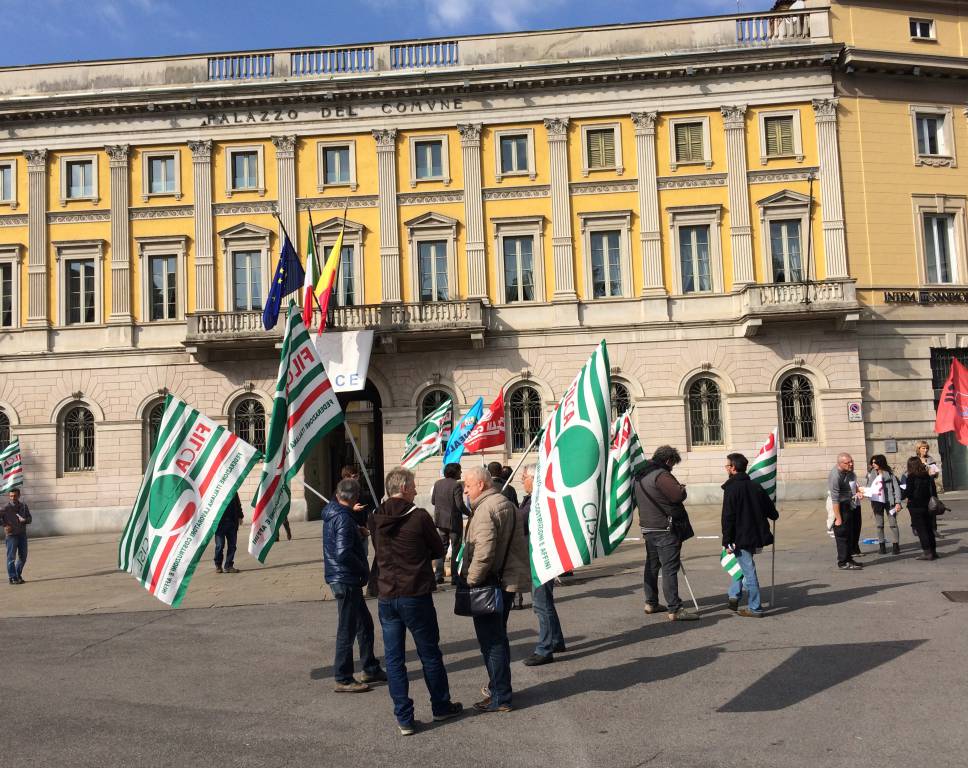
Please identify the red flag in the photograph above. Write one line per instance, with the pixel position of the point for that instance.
(953, 406)
(489, 431)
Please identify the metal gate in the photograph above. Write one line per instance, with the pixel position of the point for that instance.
(954, 455)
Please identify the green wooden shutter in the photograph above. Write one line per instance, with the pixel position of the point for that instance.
(779, 136)
(785, 125)
(608, 152)
(689, 141)
(595, 149)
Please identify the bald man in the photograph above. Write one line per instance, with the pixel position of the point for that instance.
(845, 499)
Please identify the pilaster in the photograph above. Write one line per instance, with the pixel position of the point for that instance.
(120, 239)
(37, 303)
(286, 172)
(831, 198)
(650, 236)
(386, 159)
(470, 142)
(561, 242)
(740, 231)
(204, 250)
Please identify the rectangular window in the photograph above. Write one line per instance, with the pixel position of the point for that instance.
(247, 280)
(518, 269)
(6, 295)
(514, 154)
(336, 165)
(694, 259)
(245, 170)
(345, 287)
(80, 178)
(922, 29)
(6, 182)
(779, 136)
(606, 264)
(601, 148)
(689, 147)
(930, 134)
(432, 270)
(164, 289)
(80, 291)
(428, 159)
(785, 250)
(161, 175)
(939, 237)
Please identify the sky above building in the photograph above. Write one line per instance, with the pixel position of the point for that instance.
(39, 31)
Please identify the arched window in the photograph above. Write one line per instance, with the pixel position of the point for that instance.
(154, 425)
(524, 411)
(621, 399)
(705, 413)
(796, 407)
(432, 401)
(78, 437)
(4, 430)
(249, 422)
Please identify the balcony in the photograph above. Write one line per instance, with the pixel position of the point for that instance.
(835, 298)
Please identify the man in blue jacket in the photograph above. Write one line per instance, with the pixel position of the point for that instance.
(347, 571)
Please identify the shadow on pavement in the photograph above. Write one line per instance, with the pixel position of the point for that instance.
(814, 669)
(801, 594)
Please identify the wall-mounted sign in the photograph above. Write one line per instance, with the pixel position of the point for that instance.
(329, 111)
(854, 412)
(890, 446)
(926, 297)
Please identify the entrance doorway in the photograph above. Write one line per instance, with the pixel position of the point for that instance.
(954, 455)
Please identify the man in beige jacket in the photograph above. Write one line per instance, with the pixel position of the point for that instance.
(495, 552)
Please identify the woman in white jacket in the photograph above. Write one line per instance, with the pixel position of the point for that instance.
(885, 500)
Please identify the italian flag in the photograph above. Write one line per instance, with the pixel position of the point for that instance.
(309, 283)
(11, 467)
(625, 456)
(762, 469)
(304, 410)
(570, 491)
(193, 472)
(731, 565)
(428, 436)
(327, 279)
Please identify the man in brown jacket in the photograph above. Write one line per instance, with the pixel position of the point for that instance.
(495, 551)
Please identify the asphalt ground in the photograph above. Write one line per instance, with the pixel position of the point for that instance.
(864, 668)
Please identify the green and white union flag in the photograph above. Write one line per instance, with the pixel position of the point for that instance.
(457, 561)
(11, 467)
(193, 472)
(762, 469)
(304, 410)
(570, 491)
(625, 456)
(428, 436)
(731, 565)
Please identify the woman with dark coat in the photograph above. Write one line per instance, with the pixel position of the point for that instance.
(920, 488)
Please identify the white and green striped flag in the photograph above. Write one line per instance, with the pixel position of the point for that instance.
(429, 435)
(11, 467)
(762, 469)
(731, 565)
(193, 472)
(625, 456)
(570, 491)
(457, 561)
(304, 410)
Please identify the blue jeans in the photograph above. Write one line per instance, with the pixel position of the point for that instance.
(735, 591)
(418, 615)
(549, 628)
(492, 636)
(16, 545)
(354, 622)
(230, 537)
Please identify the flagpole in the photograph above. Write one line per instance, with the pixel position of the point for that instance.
(359, 458)
(773, 568)
(308, 487)
(283, 226)
(691, 593)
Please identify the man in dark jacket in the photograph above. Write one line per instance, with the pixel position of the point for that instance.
(15, 517)
(498, 479)
(227, 532)
(347, 571)
(747, 509)
(406, 542)
(447, 497)
(659, 497)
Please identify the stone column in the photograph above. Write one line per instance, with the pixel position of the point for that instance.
(649, 228)
(37, 238)
(286, 171)
(470, 142)
(831, 198)
(386, 159)
(204, 251)
(120, 240)
(740, 232)
(561, 244)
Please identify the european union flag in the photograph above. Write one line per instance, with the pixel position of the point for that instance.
(289, 277)
(455, 446)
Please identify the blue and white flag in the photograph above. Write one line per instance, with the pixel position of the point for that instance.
(289, 277)
(455, 445)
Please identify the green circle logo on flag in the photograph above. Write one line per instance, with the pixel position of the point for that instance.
(578, 455)
(171, 503)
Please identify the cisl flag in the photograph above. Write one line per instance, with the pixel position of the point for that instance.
(193, 472)
(11, 467)
(953, 406)
(625, 458)
(489, 430)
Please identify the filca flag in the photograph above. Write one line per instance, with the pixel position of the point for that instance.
(455, 443)
(428, 436)
(953, 405)
(194, 470)
(289, 277)
(11, 467)
(625, 458)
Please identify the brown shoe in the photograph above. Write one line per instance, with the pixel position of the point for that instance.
(487, 706)
(352, 687)
(232, 570)
(683, 615)
(218, 569)
(749, 614)
(656, 608)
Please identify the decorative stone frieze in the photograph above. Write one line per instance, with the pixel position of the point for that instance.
(430, 198)
(335, 203)
(162, 212)
(517, 193)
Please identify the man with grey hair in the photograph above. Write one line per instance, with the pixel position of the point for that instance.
(347, 571)
(550, 638)
(845, 502)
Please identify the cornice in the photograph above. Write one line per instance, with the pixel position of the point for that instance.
(17, 220)
(867, 61)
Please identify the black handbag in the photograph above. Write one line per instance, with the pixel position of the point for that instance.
(936, 506)
(484, 599)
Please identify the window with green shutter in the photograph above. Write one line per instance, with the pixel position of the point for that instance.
(779, 136)
(689, 143)
(601, 148)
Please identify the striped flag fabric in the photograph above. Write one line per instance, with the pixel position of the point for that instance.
(428, 436)
(327, 278)
(762, 469)
(310, 277)
(570, 490)
(730, 565)
(304, 410)
(457, 561)
(11, 467)
(193, 472)
(625, 456)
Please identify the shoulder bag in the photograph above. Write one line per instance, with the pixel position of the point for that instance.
(679, 523)
(486, 598)
(936, 506)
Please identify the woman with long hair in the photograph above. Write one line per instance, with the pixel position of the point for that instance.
(888, 503)
(921, 449)
(920, 488)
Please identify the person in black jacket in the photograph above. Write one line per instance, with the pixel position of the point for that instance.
(227, 536)
(918, 491)
(499, 477)
(447, 497)
(747, 509)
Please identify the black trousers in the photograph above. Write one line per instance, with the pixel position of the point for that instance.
(847, 534)
(856, 520)
(923, 523)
